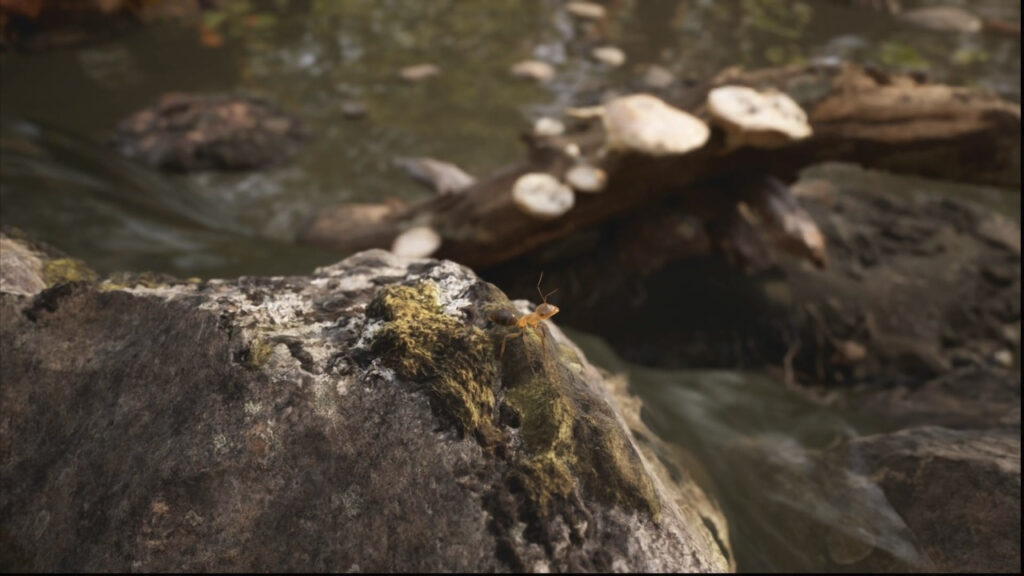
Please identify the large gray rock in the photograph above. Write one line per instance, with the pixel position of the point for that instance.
(957, 490)
(357, 419)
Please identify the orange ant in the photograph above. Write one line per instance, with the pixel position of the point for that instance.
(532, 320)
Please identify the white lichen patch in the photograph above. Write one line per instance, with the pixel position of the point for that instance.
(342, 386)
(221, 445)
(166, 292)
(453, 283)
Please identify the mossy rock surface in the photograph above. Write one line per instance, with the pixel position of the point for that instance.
(565, 437)
(358, 419)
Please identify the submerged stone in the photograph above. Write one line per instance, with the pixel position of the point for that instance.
(534, 70)
(193, 132)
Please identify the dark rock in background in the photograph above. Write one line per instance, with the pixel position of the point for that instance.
(191, 132)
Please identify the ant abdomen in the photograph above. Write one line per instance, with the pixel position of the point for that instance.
(503, 316)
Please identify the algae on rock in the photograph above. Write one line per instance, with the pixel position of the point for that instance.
(565, 438)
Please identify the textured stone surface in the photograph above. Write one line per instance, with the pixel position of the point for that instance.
(957, 490)
(357, 419)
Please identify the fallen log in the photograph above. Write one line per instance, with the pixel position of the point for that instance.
(891, 122)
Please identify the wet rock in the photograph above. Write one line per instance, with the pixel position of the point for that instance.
(586, 10)
(926, 499)
(419, 72)
(534, 70)
(192, 132)
(356, 419)
(609, 55)
(443, 177)
(542, 196)
(658, 77)
(966, 397)
(957, 490)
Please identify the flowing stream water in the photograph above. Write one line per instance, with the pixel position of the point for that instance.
(62, 183)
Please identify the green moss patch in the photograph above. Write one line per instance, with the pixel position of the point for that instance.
(568, 435)
(421, 343)
(61, 270)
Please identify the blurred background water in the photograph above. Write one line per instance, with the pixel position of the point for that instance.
(61, 183)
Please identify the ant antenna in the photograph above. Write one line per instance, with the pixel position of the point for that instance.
(543, 296)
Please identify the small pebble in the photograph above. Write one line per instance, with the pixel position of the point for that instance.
(418, 72)
(354, 109)
(658, 77)
(547, 127)
(1005, 358)
(609, 55)
(534, 70)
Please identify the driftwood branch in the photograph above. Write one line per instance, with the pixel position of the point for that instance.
(881, 121)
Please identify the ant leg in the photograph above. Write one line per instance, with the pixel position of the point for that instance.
(526, 351)
(504, 341)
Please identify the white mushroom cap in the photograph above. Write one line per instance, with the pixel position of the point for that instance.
(418, 242)
(643, 123)
(542, 196)
(586, 178)
(767, 119)
(586, 10)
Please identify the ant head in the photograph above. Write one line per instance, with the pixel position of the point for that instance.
(546, 310)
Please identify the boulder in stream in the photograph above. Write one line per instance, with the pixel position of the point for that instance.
(193, 132)
(356, 419)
